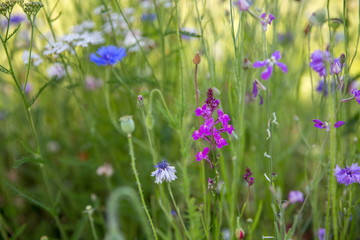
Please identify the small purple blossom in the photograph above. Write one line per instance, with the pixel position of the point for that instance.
(336, 66)
(356, 94)
(17, 18)
(257, 87)
(325, 125)
(27, 88)
(247, 177)
(321, 233)
(243, 5)
(164, 172)
(266, 19)
(322, 87)
(204, 155)
(319, 61)
(148, 17)
(339, 124)
(295, 196)
(269, 64)
(348, 175)
(108, 55)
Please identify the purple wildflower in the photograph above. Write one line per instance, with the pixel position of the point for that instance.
(336, 66)
(339, 124)
(321, 233)
(266, 20)
(319, 61)
(243, 5)
(17, 18)
(164, 172)
(209, 131)
(108, 55)
(295, 196)
(204, 156)
(257, 87)
(269, 64)
(27, 88)
(247, 176)
(148, 17)
(356, 94)
(326, 125)
(322, 88)
(348, 175)
(321, 124)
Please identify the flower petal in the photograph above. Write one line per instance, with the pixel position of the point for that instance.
(258, 64)
(282, 66)
(339, 124)
(276, 55)
(267, 73)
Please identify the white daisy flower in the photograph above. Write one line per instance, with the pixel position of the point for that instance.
(164, 172)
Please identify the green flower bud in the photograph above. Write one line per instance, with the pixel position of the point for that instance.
(318, 18)
(127, 124)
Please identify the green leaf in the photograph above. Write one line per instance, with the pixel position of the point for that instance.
(37, 95)
(12, 34)
(4, 70)
(24, 160)
(31, 199)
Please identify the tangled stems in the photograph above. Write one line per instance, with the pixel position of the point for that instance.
(32, 127)
(132, 155)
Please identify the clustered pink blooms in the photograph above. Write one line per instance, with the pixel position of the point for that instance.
(210, 130)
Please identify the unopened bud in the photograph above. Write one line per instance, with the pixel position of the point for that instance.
(318, 18)
(342, 58)
(197, 59)
(240, 233)
(246, 64)
(127, 124)
(140, 100)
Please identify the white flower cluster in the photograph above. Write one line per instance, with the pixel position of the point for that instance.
(35, 58)
(82, 36)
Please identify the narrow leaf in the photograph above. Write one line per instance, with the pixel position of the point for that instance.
(4, 70)
(24, 160)
(37, 95)
(12, 34)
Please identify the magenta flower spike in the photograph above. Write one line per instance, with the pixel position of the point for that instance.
(212, 129)
(269, 64)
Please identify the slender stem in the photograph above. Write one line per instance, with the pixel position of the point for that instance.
(132, 155)
(178, 212)
(30, 51)
(156, 81)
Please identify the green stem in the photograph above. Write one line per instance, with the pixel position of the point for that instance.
(178, 212)
(30, 51)
(132, 155)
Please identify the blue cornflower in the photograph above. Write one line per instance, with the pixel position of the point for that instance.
(164, 172)
(108, 55)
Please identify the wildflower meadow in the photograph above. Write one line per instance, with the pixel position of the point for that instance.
(179, 119)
